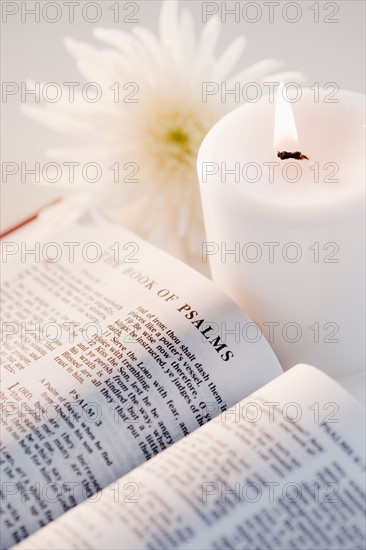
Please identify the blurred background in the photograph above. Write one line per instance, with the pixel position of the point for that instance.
(330, 50)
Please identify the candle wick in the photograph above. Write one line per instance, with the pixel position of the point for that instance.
(297, 155)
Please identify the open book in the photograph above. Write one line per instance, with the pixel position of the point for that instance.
(112, 352)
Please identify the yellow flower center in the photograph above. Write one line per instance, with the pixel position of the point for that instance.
(180, 141)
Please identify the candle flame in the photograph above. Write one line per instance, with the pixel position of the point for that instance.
(285, 133)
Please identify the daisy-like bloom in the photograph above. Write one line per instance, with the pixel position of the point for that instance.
(160, 124)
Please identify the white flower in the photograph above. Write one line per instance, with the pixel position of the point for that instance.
(162, 132)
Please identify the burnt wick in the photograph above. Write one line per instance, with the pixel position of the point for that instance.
(297, 155)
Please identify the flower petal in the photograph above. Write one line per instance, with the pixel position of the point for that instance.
(206, 45)
(227, 61)
(256, 71)
(168, 23)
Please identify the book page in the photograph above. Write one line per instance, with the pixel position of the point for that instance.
(284, 468)
(111, 352)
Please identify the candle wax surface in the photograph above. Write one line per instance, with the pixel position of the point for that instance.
(330, 134)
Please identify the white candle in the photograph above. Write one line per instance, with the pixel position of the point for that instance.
(298, 246)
